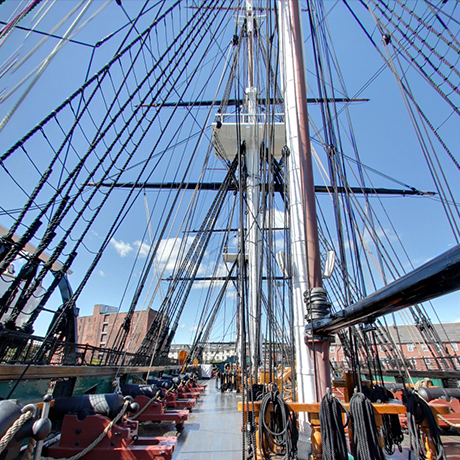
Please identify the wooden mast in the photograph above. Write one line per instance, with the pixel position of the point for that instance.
(306, 169)
(296, 102)
(254, 242)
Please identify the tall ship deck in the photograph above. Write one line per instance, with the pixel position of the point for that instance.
(279, 176)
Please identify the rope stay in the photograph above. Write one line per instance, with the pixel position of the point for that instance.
(107, 163)
(178, 290)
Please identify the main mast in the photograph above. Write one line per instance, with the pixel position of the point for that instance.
(305, 256)
(254, 242)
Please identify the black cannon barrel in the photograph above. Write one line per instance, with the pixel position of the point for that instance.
(163, 383)
(142, 390)
(109, 404)
(428, 394)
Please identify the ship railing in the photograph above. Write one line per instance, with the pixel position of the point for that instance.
(260, 118)
(422, 364)
(20, 348)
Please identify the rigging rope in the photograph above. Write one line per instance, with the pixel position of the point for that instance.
(80, 240)
(279, 435)
(181, 284)
(366, 443)
(418, 411)
(333, 442)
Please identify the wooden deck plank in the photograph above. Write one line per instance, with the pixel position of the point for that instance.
(212, 431)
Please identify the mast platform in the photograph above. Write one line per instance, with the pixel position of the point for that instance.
(225, 138)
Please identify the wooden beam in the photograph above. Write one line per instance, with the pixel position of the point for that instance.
(34, 372)
(432, 373)
(380, 408)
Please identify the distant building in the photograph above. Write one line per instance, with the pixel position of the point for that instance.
(213, 351)
(418, 354)
(101, 328)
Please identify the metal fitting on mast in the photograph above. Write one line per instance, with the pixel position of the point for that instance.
(318, 306)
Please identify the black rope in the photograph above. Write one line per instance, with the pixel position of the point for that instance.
(391, 433)
(391, 427)
(121, 210)
(189, 265)
(333, 440)
(279, 437)
(72, 177)
(366, 443)
(418, 411)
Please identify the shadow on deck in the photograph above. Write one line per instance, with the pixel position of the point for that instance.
(213, 431)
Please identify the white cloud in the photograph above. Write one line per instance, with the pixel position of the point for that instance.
(121, 247)
(182, 326)
(193, 329)
(206, 284)
(143, 249)
(169, 250)
(277, 218)
(101, 273)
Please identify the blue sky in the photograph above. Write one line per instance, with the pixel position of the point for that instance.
(384, 134)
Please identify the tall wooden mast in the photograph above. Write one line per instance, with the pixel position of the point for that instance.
(254, 242)
(305, 257)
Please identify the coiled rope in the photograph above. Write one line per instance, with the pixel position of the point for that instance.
(366, 443)
(333, 440)
(13, 429)
(391, 433)
(280, 437)
(99, 438)
(391, 427)
(417, 411)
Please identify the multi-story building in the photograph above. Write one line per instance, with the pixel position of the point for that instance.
(418, 353)
(100, 329)
(213, 351)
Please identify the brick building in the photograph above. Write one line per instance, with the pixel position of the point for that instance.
(419, 355)
(100, 329)
(213, 351)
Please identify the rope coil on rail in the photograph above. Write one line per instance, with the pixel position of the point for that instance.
(391, 433)
(391, 427)
(418, 410)
(333, 440)
(366, 443)
(280, 436)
